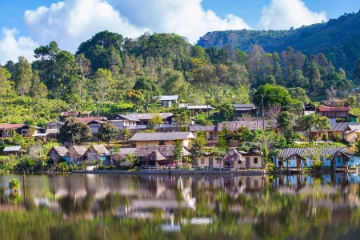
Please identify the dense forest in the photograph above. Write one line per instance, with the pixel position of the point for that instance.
(111, 74)
(338, 39)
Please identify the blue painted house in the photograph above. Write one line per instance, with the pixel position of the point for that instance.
(299, 158)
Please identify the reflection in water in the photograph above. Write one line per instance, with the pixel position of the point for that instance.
(184, 207)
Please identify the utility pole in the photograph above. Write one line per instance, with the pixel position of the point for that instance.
(262, 110)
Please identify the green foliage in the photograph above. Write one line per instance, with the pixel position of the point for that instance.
(107, 132)
(198, 146)
(14, 184)
(74, 131)
(154, 121)
(178, 153)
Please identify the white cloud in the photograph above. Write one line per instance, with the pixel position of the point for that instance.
(184, 17)
(283, 14)
(74, 21)
(11, 48)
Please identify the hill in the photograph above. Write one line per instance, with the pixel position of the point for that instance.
(338, 39)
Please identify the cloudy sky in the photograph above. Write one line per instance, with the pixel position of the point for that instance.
(27, 24)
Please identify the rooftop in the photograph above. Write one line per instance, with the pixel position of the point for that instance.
(163, 136)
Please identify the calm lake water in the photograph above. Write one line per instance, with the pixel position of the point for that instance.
(90, 206)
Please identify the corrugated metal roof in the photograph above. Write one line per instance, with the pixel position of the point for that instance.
(305, 152)
(169, 98)
(341, 126)
(164, 136)
(12, 149)
(251, 125)
(145, 116)
(194, 107)
(197, 127)
(10, 126)
(334, 109)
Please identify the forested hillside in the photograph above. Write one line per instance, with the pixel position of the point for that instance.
(338, 39)
(112, 74)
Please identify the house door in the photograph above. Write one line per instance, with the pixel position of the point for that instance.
(211, 162)
(298, 162)
(247, 162)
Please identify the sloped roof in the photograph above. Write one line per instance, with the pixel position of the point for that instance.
(10, 126)
(90, 119)
(68, 114)
(86, 112)
(305, 152)
(130, 118)
(163, 136)
(334, 109)
(251, 124)
(145, 116)
(155, 156)
(341, 126)
(195, 107)
(126, 151)
(242, 107)
(232, 156)
(79, 150)
(61, 151)
(165, 150)
(12, 149)
(198, 127)
(168, 98)
(100, 149)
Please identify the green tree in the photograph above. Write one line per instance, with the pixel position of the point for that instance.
(107, 132)
(22, 76)
(103, 83)
(226, 111)
(5, 84)
(273, 95)
(314, 122)
(37, 88)
(357, 70)
(178, 153)
(198, 146)
(154, 121)
(74, 131)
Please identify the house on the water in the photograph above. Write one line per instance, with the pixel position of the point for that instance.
(158, 155)
(163, 138)
(299, 158)
(76, 154)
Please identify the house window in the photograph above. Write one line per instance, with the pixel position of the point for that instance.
(202, 161)
(338, 160)
(255, 160)
(256, 184)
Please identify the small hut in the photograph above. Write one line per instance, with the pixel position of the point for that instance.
(233, 159)
(14, 150)
(57, 152)
(154, 157)
(76, 154)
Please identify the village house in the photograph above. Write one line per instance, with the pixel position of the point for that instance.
(163, 138)
(76, 154)
(94, 123)
(241, 110)
(123, 121)
(65, 115)
(97, 153)
(334, 112)
(199, 108)
(299, 158)
(53, 129)
(7, 129)
(211, 132)
(168, 101)
(158, 155)
(58, 152)
(252, 125)
(141, 119)
(347, 131)
(14, 150)
(234, 159)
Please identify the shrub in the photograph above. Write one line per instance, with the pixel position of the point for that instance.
(336, 137)
(14, 184)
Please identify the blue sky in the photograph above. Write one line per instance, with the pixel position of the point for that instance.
(27, 24)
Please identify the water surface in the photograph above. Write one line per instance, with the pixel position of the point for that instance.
(80, 206)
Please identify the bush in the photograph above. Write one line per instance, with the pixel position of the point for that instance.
(14, 184)
(335, 137)
(325, 137)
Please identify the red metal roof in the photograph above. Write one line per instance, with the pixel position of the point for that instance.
(334, 109)
(10, 126)
(89, 119)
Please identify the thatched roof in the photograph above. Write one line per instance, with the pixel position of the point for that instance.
(232, 156)
(61, 151)
(100, 149)
(155, 156)
(77, 150)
